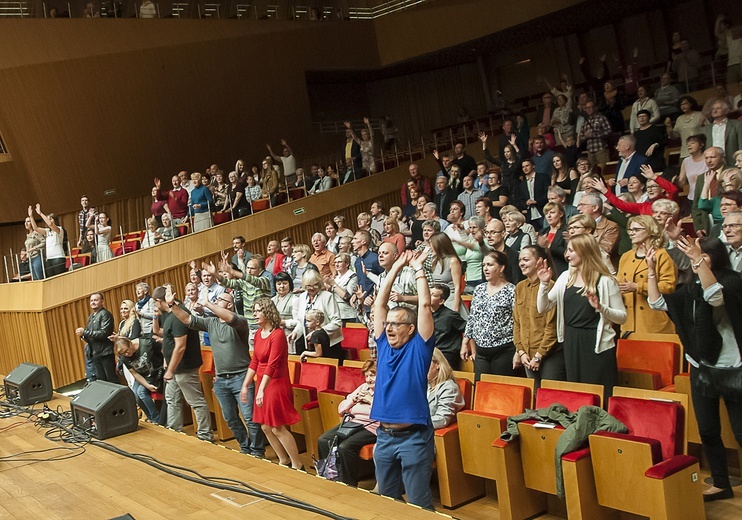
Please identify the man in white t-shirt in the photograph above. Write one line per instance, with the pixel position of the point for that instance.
(287, 160)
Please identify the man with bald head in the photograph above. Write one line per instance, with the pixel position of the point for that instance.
(714, 157)
(404, 288)
(177, 199)
(494, 233)
(230, 336)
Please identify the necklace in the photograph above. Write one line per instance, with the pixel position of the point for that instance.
(688, 119)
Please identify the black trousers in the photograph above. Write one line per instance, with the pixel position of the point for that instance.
(454, 359)
(498, 361)
(105, 368)
(709, 426)
(552, 367)
(349, 464)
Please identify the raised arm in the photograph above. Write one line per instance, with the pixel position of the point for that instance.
(179, 313)
(270, 151)
(33, 221)
(425, 325)
(52, 225)
(352, 133)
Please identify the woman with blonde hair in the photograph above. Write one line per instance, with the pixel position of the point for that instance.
(444, 395)
(633, 275)
(129, 325)
(393, 234)
(301, 255)
(585, 225)
(588, 303)
(516, 237)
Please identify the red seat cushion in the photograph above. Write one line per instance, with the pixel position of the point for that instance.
(545, 397)
(315, 375)
(355, 337)
(654, 356)
(501, 399)
(660, 420)
(348, 379)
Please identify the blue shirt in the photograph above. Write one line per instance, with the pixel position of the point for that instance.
(371, 261)
(201, 195)
(543, 164)
(401, 391)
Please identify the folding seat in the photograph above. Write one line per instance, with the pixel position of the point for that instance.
(478, 428)
(313, 378)
(644, 472)
(297, 193)
(355, 338)
(530, 465)
(647, 364)
(455, 486)
(260, 205)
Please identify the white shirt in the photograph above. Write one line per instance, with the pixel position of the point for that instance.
(622, 167)
(534, 211)
(289, 166)
(718, 131)
(735, 256)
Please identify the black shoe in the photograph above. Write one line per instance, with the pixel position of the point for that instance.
(719, 495)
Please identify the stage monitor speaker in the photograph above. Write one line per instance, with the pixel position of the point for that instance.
(28, 384)
(105, 410)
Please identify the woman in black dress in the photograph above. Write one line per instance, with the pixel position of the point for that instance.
(588, 336)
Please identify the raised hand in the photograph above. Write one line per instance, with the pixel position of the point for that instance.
(417, 259)
(30, 211)
(209, 267)
(347, 124)
(483, 137)
(157, 183)
(543, 271)
(648, 172)
(169, 294)
(597, 184)
(672, 229)
(38, 208)
(365, 120)
(651, 258)
(436, 154)
(192, 265)
(283, 142)
(691, 248)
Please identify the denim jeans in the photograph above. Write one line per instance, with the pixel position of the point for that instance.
(405, 459)
(37, 271)
(89, 368)
(148, 405)
(228, 393)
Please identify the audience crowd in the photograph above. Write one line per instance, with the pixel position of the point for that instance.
(531, 263)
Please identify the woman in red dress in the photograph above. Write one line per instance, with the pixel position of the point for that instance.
(274, 401)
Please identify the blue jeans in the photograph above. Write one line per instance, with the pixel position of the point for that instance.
(89, 367)
(37, 271)
(147, 404)
(228, 393)
(405, 459)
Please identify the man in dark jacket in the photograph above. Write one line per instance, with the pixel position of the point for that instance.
(99, 327)
(444, 195)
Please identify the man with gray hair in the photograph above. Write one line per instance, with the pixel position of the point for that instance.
(556, 194)
(629, 164)
(322, 257)
(724, 133)
(430, 212)
(714, 157)
(606, 231)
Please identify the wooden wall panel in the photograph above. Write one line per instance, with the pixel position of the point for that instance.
(38, 319)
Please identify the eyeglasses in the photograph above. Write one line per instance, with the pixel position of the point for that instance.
(223, 300)
(731, 225)
(396, 324)
(633, 230)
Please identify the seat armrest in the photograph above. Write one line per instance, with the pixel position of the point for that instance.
(670, 467)
(576, 455)
(310, 405)
(653, 443)
(442, 432)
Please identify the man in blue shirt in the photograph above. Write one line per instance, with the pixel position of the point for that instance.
(366, 261)
(542, 156)
(404, 447)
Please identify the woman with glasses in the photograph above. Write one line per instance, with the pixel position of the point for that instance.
(632, 277)
(315, 297)
(588, 303)
(343, 287)
(657, 188)
(274, 401)
(488, 338)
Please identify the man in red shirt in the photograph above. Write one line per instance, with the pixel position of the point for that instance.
(177, 199)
